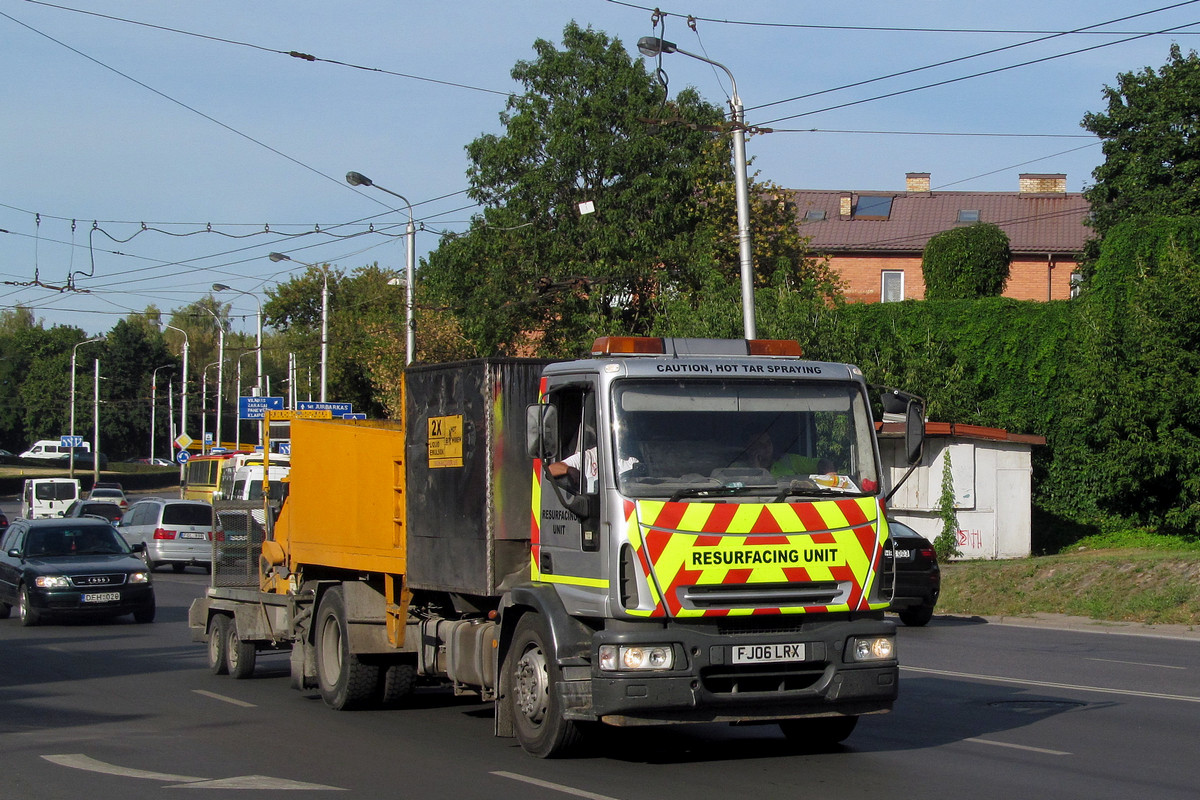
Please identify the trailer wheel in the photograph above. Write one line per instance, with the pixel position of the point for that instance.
(818, 732)
(218, 640)
(345, 681)
(533, 677)
(240, 656)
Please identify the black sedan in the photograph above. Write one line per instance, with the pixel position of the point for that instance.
(71, 567)
(94, 508)
(918, 578)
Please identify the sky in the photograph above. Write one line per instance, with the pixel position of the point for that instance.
(151, 149)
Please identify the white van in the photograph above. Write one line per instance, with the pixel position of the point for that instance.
(48, 497)
(50, 448)
(248, 481)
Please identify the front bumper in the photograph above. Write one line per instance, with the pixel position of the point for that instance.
(705, 686)
(71, 601)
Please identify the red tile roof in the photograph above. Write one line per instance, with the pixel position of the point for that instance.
(1034, 222)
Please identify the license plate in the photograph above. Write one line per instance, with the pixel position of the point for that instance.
(767, 653)
(102, 597)
(903, 555)
(191, 535)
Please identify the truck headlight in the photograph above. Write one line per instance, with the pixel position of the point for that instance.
(872, 648)
(622, 658)
(52, 582)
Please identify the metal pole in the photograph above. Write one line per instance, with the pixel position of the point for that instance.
(409, 274)
(71, 455)
(324, 331)
(95, 428)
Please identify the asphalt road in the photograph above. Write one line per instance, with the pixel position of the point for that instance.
(119, 710)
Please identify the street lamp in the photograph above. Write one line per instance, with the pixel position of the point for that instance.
(220, 287)
(653, 46)
(183, 390)
(324, 316)
(74, 351)
(204, 405)
(358, 179)
(238, 444)
(220, 366)
(153, 405)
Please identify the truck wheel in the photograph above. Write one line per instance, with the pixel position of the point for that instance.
(28, 615)
(818, 732)
(239, 655)
(218, 640)
(345, 681)
(396, 683)
(916, 616)
(533, 678)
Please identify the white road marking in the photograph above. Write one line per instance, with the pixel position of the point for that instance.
(1051, 685)
(233, 701)
(558, 787)
(1136, 663)
(89, 764)
(1019, 747)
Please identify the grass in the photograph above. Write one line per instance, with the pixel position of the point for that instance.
(1120, 575)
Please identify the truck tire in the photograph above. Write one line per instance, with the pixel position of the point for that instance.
(218, 640)
(345, 681)
(240, 656)
(818, 732)
(397, 682)
(533, 678)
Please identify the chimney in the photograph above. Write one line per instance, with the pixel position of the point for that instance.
(846, 208)
(916, 182)
(1043, 183)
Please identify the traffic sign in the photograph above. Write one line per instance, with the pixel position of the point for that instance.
(183, 441)
(70, 441)
(284, 414)
(354, 416)
(182, 456)
(257, 407)
(338, 409)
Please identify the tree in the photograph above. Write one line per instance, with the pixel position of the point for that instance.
(966, 263)
(132, 352)
(536, 272)
(1150, 143)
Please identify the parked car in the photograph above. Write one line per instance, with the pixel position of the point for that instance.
(175, 532)
(109, 512)
(71, 567)
(109, 496)
(918, 578)
(108, 485)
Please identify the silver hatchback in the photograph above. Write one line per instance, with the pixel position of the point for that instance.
(175, 532)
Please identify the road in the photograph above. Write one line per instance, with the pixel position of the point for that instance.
(119, 710)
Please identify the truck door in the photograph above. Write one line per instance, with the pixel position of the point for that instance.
(571, 551)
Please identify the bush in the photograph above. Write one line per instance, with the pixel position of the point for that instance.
(966, 263)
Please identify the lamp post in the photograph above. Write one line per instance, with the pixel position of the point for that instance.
(220, 366)
(324, 315)
(238, 444)
(652, 46)
(410, 341)
(220, 287)
(204, 405)
(183, 393)
(74, 351)
(95, 425)
(154, 404)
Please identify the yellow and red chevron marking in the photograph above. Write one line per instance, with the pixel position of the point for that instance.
(709, 544)
(535, 518)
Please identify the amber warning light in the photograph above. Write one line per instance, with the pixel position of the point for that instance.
(617, 345)
(774, 347)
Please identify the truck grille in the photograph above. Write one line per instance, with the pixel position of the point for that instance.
(760, 678)
(759, 595)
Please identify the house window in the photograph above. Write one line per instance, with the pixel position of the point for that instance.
(814, 216)
(871, 206)
(893, 286)
(968, 215)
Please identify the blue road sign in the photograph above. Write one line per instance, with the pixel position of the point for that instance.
(337, 409)
(182, 456)
(70, 441)
(257, 407)
(354, 416)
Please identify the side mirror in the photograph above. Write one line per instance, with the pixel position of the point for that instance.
(137, 547)
(914, 430)
(541, 429)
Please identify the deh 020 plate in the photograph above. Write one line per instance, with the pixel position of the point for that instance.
(102, 597)
(766, 653)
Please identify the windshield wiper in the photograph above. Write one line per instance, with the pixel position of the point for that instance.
(729, 490)
(802, 490)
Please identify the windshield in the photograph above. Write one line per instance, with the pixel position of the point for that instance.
(735, 439)
(57, 490)
(72, 541)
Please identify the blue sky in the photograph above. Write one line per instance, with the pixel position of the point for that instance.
(191, 119)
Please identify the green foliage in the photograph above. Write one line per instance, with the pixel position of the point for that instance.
(1151, 153)
(946, 543)
(966, 263)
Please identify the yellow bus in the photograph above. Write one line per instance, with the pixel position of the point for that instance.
(202, 477)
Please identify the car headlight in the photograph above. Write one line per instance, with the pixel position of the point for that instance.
(52, 582)
(872, 648)
(621, 658)
(139, 577)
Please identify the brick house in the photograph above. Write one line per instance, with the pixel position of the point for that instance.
(874, 240)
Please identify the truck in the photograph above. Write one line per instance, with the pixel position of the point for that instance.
(583, 542)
